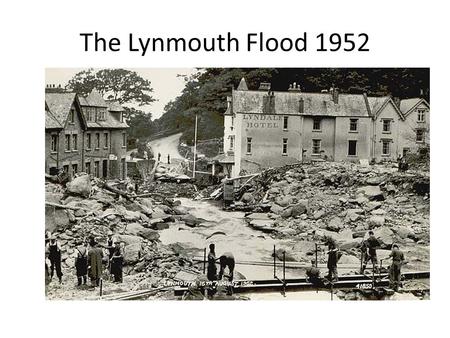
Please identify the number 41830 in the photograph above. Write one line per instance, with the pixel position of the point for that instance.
(347, 42)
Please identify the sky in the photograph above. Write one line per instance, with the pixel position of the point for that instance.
(164, 81)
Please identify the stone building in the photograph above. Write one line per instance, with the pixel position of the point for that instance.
(263, 128)
(85, 134)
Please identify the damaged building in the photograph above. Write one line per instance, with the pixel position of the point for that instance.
(265, 128)
(85, 134)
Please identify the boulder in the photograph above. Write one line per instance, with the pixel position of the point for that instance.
(276, 209)
(335, 224)
(257, 215)
(132, 253)
(80, 185)
(288, 256)
(372, 192)
(53, 197)
(132, 215)
(376, 221)
(149, 234)
(180, 210)
(134, 228)
(263, 225)
(55, 218)
(319, 214)
(404, 232)
(128, 239)
(287, 212)
(190, 220)
(385, 235)
(247, 198)
(284, 201)
(349, 260)
(299, 209)
(349, 244)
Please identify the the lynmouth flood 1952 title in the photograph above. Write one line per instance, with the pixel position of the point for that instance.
(252, 42)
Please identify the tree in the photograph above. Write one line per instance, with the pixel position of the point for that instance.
(124, 86)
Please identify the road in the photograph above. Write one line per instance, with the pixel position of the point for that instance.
(166, 146)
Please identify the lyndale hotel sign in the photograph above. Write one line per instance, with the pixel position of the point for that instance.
(262, 121)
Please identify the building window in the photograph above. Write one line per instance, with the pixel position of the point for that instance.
(97, 141)
(249, 145)
(353, 124)
(88, 168)
(89, 141)
(285, 122)
(97, 169)
(316, 123)
(420, 135)
(316, 147)
(67, 142)
(74, 142)
(231, 142)
(351, 148)
(74, 169)
(106, 140)
(421, 115)
(54, 145)
(386, 147)
(285, 146)
(101, 115)
(66, 169)
(72, 116)
(124, 140)
(121, 117)
(386, 126)
(89, 114)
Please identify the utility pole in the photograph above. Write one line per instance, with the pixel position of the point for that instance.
(195, 146)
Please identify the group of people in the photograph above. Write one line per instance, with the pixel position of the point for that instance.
(368, 253)
(89, 260)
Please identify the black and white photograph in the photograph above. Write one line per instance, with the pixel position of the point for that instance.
(237, 184)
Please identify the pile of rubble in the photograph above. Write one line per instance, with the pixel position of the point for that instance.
(342, 201)
(88, 207)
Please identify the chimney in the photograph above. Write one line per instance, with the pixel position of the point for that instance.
(335, 95)
(294, 87)
(301, 105)
(264, 86)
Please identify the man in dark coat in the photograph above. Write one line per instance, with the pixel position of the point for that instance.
(81, 263)
(332, 262)
(95, 256)
(395, 271)
(211, 271)
(116, 263)
(54, 255)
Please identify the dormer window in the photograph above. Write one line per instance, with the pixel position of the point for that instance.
(421, 115)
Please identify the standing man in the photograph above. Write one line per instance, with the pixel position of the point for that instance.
(211, 272)
(332, 262)
(81, 263)
(54, 255)
(159, 157)
(95, 256)
(168, 158)
(395, 271)
(372, 245)
(116, 263)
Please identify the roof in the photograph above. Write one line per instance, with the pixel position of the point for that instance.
(110, 123)
(94, 99)
(376, 103)
(59, 105)
(407, 105)
(242, 85)
(51, 122)
(114, 106)
(315, 104)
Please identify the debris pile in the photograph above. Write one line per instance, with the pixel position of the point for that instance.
(88, 208)
(310, 202)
